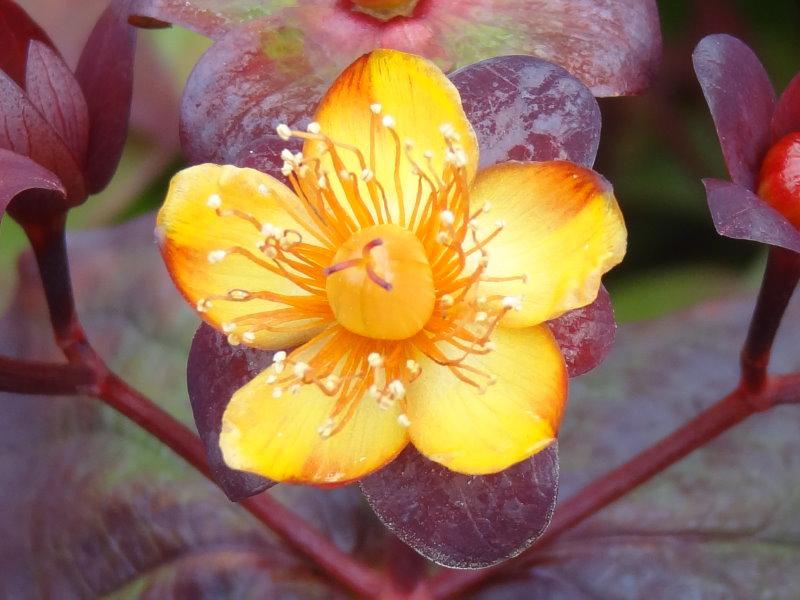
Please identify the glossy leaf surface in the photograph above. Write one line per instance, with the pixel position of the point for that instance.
(216, 370)
(524, 108)
(741, 99)
(586, 335)
(787, 112)
(465, 521)
(738, 213)
(17, 29)
(19, 174)
(613, 46)
(105, 73)
(51, 87)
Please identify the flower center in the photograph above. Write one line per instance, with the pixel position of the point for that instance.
(779, 180)
(385, 9)
(381, 283)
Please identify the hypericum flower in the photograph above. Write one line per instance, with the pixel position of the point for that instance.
(760, 140)
(413, 289)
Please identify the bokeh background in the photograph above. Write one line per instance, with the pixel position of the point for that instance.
(655, 149)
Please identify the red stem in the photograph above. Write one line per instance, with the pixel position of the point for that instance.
(49, 247)
(780, 280)
(44, 379)
(609, 487)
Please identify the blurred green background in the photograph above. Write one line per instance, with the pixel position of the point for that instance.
(655, 149)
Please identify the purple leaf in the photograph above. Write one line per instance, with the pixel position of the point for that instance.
(19, 174)
(524, 108)
(586, 334)
(247, 83)
(741, 99)
(721, 523)
(17, 29)
(51, 87)
(787, 112)
(214, 372)
(738, 213)
(465, 521)
(265, 154)
(25, 131)
(105, 73)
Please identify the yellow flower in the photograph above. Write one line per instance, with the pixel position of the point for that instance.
(414, 289)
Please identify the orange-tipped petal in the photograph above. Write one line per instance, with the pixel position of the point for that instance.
(378, 104)
(562, 230)
(477, 432)
(207, 254)
(289, 435)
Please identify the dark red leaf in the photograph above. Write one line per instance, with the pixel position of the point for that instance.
(51, 87)
(105, 73)
(738, 213)
(524, 108)
(465, 521)
(17, 29)
(243, 86)
(19, 173)
(741, 99)
(214, 372)
(586, 334)
(25, 131)
(787, 112)
(265, 154)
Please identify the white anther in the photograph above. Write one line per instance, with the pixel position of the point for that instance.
(214, 201)
(271, 379)
(412, 366)
(375, 392)
(443, 238)
(203, 305)
(408, 143)
(263, 189)
(388, 121)
(456, 157)
(403, 420)
(249, 336)
(344, 174)
(500, 224)
(287, 169)
(322, 182)
(446, 300)
(376, 108)
(487, 206)
(473, 224)
(446, 129)
(271, 231)
(238, 295)
(397, 389)
(295, 388)
(216, 256)
(326, 428)
(374, 360)
(481, 316)
(277, 392)
(447, 217)
(298, 157)
(283, 131)
(490, 346)
(313, 127)
(300, 369)
(330, 382)
(234, 339)
(287, 155)
(228, 327)
(512, 302)
(367, 175)
(279, 357)
(428, 154)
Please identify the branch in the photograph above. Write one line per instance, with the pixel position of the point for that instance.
(44, 379)
(601, 492)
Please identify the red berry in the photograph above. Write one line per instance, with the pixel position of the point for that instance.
(779, 180)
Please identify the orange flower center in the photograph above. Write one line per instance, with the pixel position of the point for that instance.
(385, 9)
(381, 283)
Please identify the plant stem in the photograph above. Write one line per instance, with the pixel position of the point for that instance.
(49, 245)
(780, 280)
(609, 487)
(46, 379)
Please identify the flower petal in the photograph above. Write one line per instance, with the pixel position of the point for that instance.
(787, 112)
(563, 230)
(417, 96)
(741, 100)
(475, 433)
(279, 437)
(189, 230)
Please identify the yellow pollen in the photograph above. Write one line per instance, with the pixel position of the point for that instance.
(380, 284)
